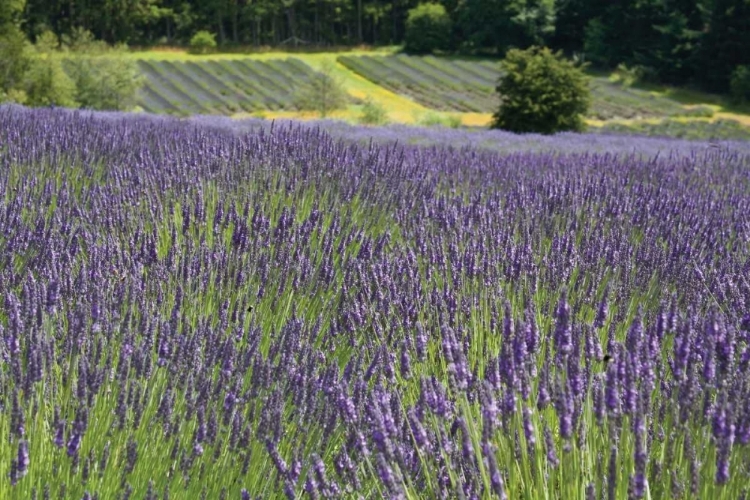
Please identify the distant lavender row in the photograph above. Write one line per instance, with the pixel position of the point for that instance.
(215, 309)
(497, 141)
(491, 140)
(221, 87)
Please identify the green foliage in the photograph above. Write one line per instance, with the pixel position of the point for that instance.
(632, 75)
(571, 19)
(97, 76)
(454, 121)
(81, 41)
(499, 24)
(541, 92)
(739, 84)
(10, 12)
(47, 84)
(725, 45)
(672, 54)
(596, 46)
(435, 120)
(322, 93)
(15, 58)
(202, 42)
(535, 21)
(47, 42)
(105, 81)
(431, 120)
(428, 28)
(373, 113)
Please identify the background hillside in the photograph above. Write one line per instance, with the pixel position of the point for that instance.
(682, 42)
(680, 70)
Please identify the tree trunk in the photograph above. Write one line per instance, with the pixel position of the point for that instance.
(220, 22)
(316, 24)
(235, 22)
(359, 21)
(290, 20)
(394, 16)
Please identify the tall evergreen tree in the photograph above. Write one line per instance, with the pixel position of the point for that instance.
(572, 17)
(502, 24)
(672, 54)
(725, 44)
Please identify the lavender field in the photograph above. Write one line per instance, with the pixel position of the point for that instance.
(195, 310)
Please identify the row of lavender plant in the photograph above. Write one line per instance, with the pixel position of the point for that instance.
(189, 312)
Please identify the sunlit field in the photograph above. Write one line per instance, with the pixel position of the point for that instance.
(211, 308)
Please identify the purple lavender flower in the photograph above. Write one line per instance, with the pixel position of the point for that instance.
(22, 459)
(405, 366)
(74, 444)
(602, 312)
(612, 475)
(496, 478)
(550, 447)
(418, 432)
(722, 467)
(59, 438)
(528, 427)
(563, 331)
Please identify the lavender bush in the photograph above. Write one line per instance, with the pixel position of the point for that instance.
(191, 311)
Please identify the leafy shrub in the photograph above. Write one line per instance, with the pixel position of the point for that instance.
(632, 75)
(82, 41)
(202, 42)
(437, 120)
(15, 96)
(93, 74)
(47, 43)
(104, 82)
(454, 121)
(373, 113)
(541, 92)
(103, 78)
(428, 28)
(739, 84)
(46, 84)
(15, 58)
(322, 93)
(432, 120)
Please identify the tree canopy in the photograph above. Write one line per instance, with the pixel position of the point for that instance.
(541, 92)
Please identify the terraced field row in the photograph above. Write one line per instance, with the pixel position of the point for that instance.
(222, 86)
(469, 86)
(435, 83)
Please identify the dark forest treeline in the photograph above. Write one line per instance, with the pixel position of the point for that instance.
(673, 41)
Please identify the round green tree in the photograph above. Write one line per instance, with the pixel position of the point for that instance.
(202, 42)
(428, 28)
(541, 92)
